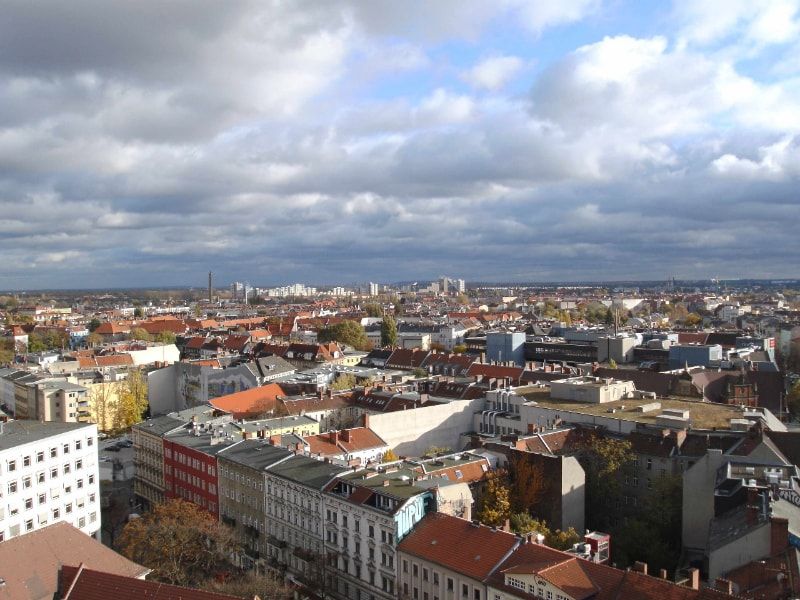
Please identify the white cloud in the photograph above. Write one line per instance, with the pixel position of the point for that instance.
(777, 162)
(494, 72)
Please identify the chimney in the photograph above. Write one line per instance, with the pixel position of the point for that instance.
(694, 578)
(640, 567)
(275, 440)
(724, 585)
(333, 436)
(366, 420)
(662, 573)
(345, 435)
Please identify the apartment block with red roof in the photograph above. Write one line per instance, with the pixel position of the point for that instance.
(354, 447)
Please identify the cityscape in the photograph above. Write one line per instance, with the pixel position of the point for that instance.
(400, 301)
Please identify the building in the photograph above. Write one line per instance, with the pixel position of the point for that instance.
(243, 497)
(355, 447)
(295, 507)
(461, 285)
(694, 355)
(451, 559)
(31, 562)
(148, 458)
(374, 289)
(504, 347)
(48, 474)
(592, 390)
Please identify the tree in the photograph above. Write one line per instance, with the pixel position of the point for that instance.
(103, 399)
(7, 352)
(495, 502)
(138, 333)
(345, 381)
(612, 364)
(389, 456)
(36, 343)
(132, 400)
(528, 483)
(179, 541)
(603, 459)
(459, 349)
(165, 337)
(419, 372)
(462, 299)
(94, 339)
(388, 331)
(609, 317)
(693, 320)
(523, 523)
(138, 313)
(373, 309)
(94, 324)
(346, 332)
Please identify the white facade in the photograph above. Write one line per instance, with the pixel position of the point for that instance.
(49, 479)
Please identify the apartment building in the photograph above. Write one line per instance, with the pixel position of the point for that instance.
(48, 474)
(148, 458)
(242, 494)
(294, 509)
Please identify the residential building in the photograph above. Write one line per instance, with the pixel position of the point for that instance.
(295, 507)
(48, 474)
(148, 458)
(243, 494)
(355, 447)
(505, 347)
(30, 563)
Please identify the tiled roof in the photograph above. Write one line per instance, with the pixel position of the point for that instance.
(472, 550)
(495, 371)
(407, 358)
(108, 360)
(252, 402)
(347, 441)
(80, 583)
(30, 562)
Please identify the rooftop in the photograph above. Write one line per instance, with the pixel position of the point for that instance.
(17, 433)
(704, 415)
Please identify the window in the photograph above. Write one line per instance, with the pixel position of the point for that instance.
(82, 522)
(66, 448)
(53, 452)
(40, 456)
(26, 461)
(28, 503)
(435, 578)
(424, 574)
(465, 590)
(42, 498)
(90, 441)
(80, 484)
(67, 469)
(68, 508)
(636, 481)
(476, 594)
(79, 464)
(371, 531)
(649, 464)
(77, 444)
(56, 513)
(449, 584)
(40, 477)
(12, 466)
(29, 525)
(91, 479)
(405, 566)
(26, 482)
(12, 487)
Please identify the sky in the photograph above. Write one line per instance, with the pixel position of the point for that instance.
(146, 143)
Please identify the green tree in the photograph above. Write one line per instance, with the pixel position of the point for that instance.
(609, 317)
(693, 320)
(495, 502)
(388, 331)
(94, 324)
(180, 542)
(36, 343)
(138, 333)
(345, 381)
(612, 364)
(132, 400)
(165, 337)
(603, 459)
(94, 339)
(419, 372)
(522, 524)
(373, 309)
(459, 349)
(7, 351)
(138, 313)
(346, 332)
(793, 400)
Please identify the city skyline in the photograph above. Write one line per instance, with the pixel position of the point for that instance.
(144, 145)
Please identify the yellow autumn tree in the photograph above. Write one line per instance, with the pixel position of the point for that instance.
(132, 400)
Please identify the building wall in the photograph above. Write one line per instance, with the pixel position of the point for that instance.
(542, 416)
(48, 484)
(190, 475)
(573, 494)
(755, 545)
(148, 457)
(420, 579)
(698, 499)
(242, 506)
(165, 354)
(504, 347)
(411, 432)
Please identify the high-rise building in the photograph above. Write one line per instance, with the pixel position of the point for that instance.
(48, 473)
(462, 286)
(444, 285)
(374, 289)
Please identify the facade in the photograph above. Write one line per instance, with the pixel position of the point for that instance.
(295, 517)
(148, 458)
(48, 474)
(366, 515)
(504, 346)
(242, 494)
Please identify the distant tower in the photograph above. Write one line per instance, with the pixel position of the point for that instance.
(210, 289)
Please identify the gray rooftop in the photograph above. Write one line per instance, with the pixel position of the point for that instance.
(255, 454)
(307, 471)
(17, 433)
(159, 425)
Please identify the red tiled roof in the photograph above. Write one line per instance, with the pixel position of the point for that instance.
(79, 583)
(195, 343)
(250, 402)
(346, 441)
(108, 360)
(112, 328)
(156, 326)
(495, 371)
(472, 550)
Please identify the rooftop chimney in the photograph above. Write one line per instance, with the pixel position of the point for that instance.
(724, 585)
(694, 578)
(640, 567)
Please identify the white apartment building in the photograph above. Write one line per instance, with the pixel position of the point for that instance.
(48, 473)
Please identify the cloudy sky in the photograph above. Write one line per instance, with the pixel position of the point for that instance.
(148, 142)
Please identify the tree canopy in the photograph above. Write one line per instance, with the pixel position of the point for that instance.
(346, 332)
(496, 501)
(388, 331)
(179, 541)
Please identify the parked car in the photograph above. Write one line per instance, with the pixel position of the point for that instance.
(113, 448)
(125, 444)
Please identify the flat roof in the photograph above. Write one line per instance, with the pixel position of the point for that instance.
(704, 415)
(17, 433)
